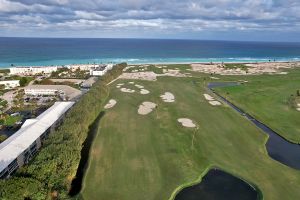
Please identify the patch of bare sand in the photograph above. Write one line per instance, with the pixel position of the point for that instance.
(144, 91)
(211, 100)
(214, 103)
(208, 97)
(111, 103)
(252, 68)
(298, 105)
(172, 72)
(168, 97)
(146, 108)
(186, 122)
(149, 76)
(139, 86)
(127, 90)
(119, 85)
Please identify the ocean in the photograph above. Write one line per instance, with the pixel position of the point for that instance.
(62, 51)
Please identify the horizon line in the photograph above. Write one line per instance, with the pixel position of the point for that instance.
(141, 38)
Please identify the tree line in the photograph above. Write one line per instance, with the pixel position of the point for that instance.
(50, 173)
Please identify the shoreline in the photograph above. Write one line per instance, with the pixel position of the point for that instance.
(158, 63)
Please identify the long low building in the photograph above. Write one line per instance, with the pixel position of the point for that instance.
(18, 149)
(51, 90)
(32, 70)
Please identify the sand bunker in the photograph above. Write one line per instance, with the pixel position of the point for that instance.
(111, 103)
(186, 122)
(144, 91)
(127, 90)
(119, 85)
(131, 82)
(208, 97)
(146, 108)
(211, 100)
(139, 86)
(168, 97)
(214, 103)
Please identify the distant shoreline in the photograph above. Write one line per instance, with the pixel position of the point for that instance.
(159, 63)
(186, 63)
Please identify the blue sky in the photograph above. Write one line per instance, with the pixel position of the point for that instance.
(266, 20)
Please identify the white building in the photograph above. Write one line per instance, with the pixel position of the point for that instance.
(109, 66)
(9, 84)
(19, 148)
(100, 70)
(83, 67)
(52, 90)
(32, 70)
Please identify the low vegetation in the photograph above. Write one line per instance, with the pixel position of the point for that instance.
(24, 80)
(4, 71)
(3, 104)
(2, 138)
(9, 120)
(50, 173)
(141, 68)
(68, 73)
(235, 66)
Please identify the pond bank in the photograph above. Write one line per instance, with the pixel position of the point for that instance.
(217, 184)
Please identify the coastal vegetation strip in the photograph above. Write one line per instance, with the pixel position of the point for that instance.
(51, 172)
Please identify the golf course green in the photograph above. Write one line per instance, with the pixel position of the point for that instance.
(153, 156)
(272, 99)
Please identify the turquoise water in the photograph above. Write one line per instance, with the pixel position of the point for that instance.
(45, 51)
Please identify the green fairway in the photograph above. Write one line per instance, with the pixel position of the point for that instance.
(269, 99)
(151, 156)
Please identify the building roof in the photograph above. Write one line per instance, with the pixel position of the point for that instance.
(10, 81)
(68, 90)
(32, 129)
(89, 82)
(26, 67)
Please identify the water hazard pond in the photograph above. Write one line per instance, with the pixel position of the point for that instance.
(278, 148)
(219, 185)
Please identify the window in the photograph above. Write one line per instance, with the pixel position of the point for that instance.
(3, 174)
(13, 166)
